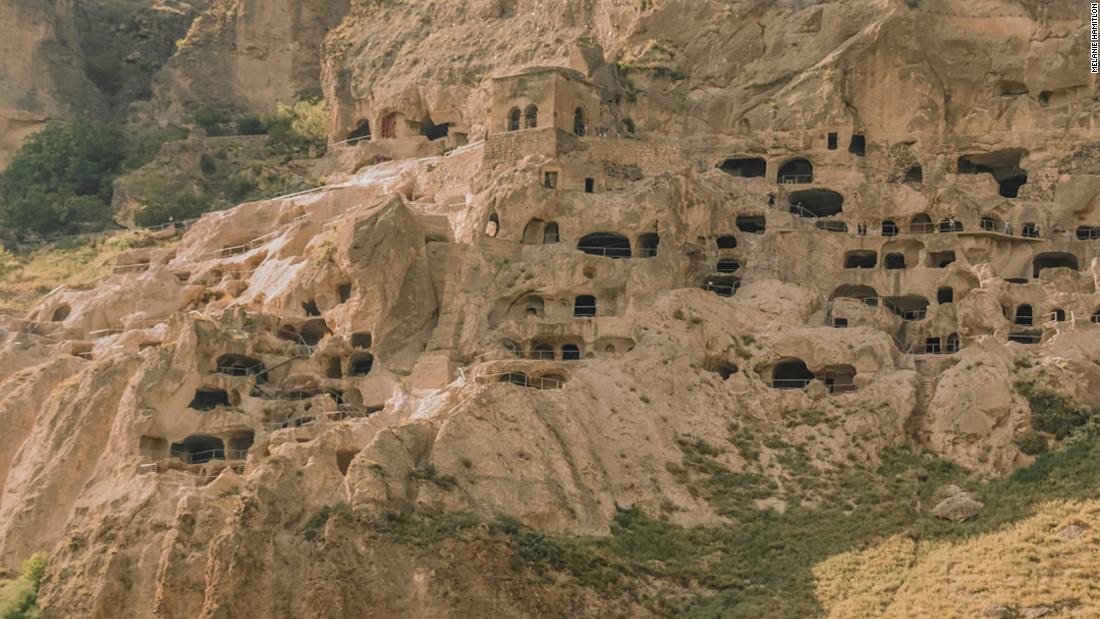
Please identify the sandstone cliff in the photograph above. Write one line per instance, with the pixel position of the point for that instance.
(40, 69)
(582, 264)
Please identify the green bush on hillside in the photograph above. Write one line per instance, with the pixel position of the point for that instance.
(19, 597)
(62, 177)
(1052, 412)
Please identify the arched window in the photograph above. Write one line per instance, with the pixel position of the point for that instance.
(493, 226)
(952, 344)
(570, 352)
(550, 234)
(360, 134)
(531, 117)
(543, 351)
(889, 228)
(894, 261)
(1030, 230)
(584, 306)
(513, 119)
(533, 232)
(945, 295)
(1023, 314)
(797, 170)
(580, 121)
(920, 224)
(1059, 315)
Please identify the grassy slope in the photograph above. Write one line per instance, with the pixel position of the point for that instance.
(76, 261)
(868, 548)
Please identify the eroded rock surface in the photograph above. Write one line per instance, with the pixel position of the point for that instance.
(565, 240)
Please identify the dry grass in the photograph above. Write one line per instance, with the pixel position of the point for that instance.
(1026, 565)
(76, 261)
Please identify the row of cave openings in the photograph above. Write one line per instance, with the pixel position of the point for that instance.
(358, 364)
(1003, 166)
(584, 306)
(199, 448)
(868, 259)
(792, 373)
(528, 118)
(567, 350)
(911, 307)
(606, 244)
(388, 129)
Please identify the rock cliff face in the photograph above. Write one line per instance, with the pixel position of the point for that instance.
(40, 69)
(251, 54)
(568, 245)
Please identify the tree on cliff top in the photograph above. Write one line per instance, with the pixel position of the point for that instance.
(62, 177)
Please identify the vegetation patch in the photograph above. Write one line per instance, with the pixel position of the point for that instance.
(26, 277)
(19, 596)
(1055, 414)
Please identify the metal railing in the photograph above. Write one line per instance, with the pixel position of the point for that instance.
(608, 252)
(794, 179)
(790, 383)
(200, 457)
(722, 290)
(522, 380)
(345, 413)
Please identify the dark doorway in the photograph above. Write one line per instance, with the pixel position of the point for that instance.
(791, 374)
(796, 171)
(584, 306)
(748, 167)
(605, 244)
(858, 145)
(860, 259)
(209, 399)
(816, 202)
(754, 224)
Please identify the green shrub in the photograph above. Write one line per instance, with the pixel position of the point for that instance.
(1052, 412)
(304, 123)
(177, 206)
(537, 547)
(62, 177)
(214, 119)
(251, 124)
(1031, 443)
(207, 164)
(19, 598)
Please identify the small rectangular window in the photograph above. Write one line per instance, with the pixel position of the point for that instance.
(832, 141)
(551, 180)
(589, 185)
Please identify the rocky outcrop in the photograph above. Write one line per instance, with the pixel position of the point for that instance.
(249, 54)
(40, 69)
(708, 235)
